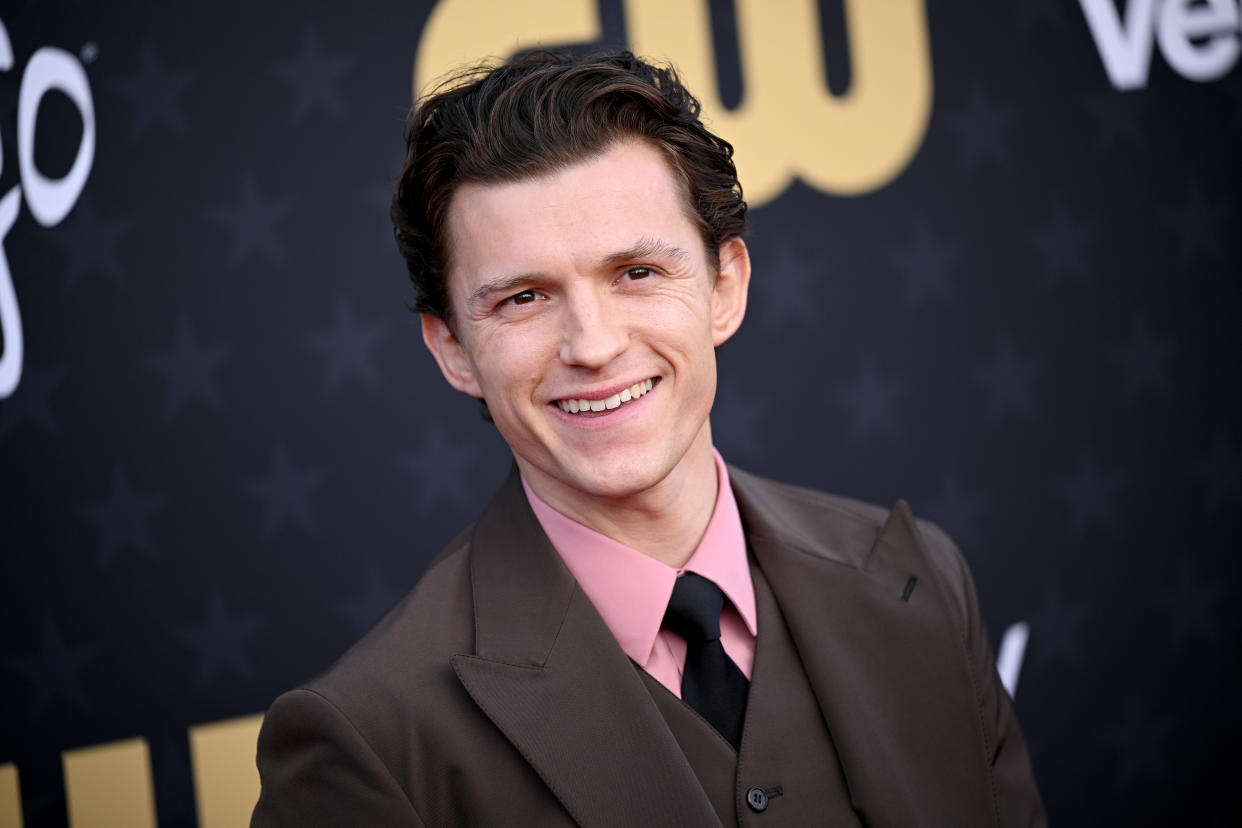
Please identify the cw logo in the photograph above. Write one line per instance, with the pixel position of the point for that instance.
(787, 125)
(49, 200)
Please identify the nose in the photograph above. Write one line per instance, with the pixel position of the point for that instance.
(595, 332)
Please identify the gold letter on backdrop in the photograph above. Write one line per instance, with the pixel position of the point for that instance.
(226, 780)
(10, 797)
(109, 786)
(787, 125)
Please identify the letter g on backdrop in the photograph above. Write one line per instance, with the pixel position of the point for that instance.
(49, 200)
(787, 125)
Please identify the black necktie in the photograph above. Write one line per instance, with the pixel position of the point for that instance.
(710, 683)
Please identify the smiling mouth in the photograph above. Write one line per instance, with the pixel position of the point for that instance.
(584, 407)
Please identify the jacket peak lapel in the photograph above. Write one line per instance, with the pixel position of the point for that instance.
(549, 674)
(890, 673)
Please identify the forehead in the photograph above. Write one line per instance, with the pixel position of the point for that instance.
(567, 217)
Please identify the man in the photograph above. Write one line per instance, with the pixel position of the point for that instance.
(632, 633)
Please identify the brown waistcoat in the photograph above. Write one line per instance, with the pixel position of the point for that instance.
(800, 787)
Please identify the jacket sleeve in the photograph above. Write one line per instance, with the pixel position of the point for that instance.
(1015, 794)
(317, 769)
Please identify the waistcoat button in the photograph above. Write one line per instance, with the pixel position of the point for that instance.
(757, 799)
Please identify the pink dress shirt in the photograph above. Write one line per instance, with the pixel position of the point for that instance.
(631, 590)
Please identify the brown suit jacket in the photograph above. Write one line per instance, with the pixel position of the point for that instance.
(494, 694)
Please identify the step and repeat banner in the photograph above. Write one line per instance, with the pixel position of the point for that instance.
(997, 272)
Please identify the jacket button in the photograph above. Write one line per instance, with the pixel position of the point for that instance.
(757, 799)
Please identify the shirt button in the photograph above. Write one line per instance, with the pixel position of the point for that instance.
(757, 799)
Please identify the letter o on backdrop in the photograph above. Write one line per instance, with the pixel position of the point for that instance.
(50, 200)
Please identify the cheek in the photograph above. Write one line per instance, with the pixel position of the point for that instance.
(512, 362)
(688, 325)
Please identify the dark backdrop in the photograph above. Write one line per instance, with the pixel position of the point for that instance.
(229, 453)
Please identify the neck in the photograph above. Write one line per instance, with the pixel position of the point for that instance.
(665, 521)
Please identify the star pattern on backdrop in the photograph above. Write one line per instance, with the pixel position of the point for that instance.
(870, 401)
(1137, 741)
(188, 369)
(1061, 244)
(1092, 493)
(1056, 628)
(377, 199)
(1199, 228)
(1116, 118)
(927, 263)
(981, 128)
(284, 493)
(1007, 379)
(347, 348)
(123, 518)
(1220, 469)
(31, 403)
(1144, 360)
(90, 242)
(54, 673)
(1032, 13)
(379, 196)
(738, 424)
(252, 223)
(314, 79)
(219, 642)
(376, 595)
(957, 509)
(441, 467)
(153, 94)
(789, 294)
(1190, 604)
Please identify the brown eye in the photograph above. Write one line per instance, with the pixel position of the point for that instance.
(638, 273)
(522, 298)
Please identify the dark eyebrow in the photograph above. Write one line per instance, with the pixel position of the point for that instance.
(499, 285)
(647, 247)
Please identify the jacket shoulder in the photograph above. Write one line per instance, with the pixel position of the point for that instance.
(361, 713)
(844, 529)
(407, 650)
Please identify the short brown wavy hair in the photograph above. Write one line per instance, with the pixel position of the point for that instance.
(539, 112)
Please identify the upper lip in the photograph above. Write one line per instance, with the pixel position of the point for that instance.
(602, 393)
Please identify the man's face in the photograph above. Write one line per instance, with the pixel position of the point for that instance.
(592, 284)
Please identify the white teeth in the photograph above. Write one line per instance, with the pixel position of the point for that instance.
(635, 391)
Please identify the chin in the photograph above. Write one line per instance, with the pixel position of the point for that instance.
(621, 483)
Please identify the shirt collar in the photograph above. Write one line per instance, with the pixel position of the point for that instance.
(631, 590)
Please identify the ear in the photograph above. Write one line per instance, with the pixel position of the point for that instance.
(729, 294)
(452, 358)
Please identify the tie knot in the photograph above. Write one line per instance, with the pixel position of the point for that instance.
(694, 610)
